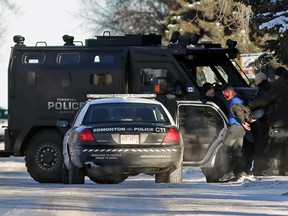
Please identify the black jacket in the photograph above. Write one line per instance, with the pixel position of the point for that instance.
(262, 88)
(276, 100)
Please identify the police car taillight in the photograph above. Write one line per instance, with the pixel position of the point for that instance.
(172, 136)
(86, 135)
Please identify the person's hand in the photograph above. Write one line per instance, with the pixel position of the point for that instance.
(246, 126)
(204, 101)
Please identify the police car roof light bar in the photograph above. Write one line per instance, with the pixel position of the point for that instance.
(98, 96)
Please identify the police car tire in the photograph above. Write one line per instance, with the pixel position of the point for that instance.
(65, 174)
(45, 141)
(174, 177)
(213, 174)
(76, 174)
(283, 169)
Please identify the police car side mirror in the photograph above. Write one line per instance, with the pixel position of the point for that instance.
(62, 123)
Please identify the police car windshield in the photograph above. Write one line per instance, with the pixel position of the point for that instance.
(125, 112)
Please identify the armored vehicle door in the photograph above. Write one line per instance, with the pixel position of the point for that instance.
(203, 127)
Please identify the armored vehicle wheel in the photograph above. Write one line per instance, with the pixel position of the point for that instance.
(44, 158)
(174, 177)
(76, 174)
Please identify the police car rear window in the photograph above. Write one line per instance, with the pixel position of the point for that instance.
(124, 112)
(33, 58)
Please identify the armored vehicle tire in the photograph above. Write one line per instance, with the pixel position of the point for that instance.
(166, 177)
(76, 174)
(44, 158)
(213, 174)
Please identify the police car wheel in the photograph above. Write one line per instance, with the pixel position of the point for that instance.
(76, 174)
(44, 158)
(173, 177)
(213, 174)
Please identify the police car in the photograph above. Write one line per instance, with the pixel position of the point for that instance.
(113, 138)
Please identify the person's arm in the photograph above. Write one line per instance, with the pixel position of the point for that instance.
(241, 113)
(265, 99)
(238, 112)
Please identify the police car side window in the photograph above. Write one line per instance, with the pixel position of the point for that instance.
(161, 115)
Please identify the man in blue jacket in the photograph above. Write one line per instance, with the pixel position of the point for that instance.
(233, 141)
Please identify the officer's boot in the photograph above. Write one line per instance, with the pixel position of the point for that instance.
(273, 168)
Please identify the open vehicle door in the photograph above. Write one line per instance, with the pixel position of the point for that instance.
(203, 127)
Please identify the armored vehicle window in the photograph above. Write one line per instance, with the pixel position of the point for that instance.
(3, 113)
(35, 58)
(206, 74)
(101, 79)
(68, 58)
(155, 80)
(103, 59)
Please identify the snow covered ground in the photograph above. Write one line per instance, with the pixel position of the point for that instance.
(20, 195)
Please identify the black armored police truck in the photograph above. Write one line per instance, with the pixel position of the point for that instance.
(49, 83)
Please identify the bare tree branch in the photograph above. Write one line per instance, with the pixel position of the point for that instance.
(5, 7)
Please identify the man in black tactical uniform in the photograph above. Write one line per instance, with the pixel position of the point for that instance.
(208, 94)
(260, 129)
(276, 100)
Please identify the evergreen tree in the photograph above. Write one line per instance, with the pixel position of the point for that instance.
(269, 26)
(216, 20)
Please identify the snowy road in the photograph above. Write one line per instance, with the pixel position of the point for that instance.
(20, 195)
